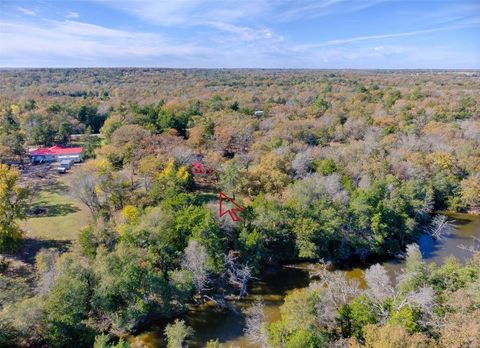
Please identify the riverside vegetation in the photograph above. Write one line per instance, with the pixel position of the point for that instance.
(342, 166)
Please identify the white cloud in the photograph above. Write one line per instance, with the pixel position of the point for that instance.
(27, 11)
(72, 14)
(387, 56)
(74, 43)
(86, 29)
(468, 23)
(246, 33)
(82, 44)
(193, 12)
(222, 16)
(188, 12)
(232, 33)
(301, 9)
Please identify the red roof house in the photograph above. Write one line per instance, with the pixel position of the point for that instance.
(56, 153)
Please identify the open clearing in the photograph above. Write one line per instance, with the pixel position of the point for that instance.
(57, 216)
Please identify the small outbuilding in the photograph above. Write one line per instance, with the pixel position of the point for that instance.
(258, 113)
(66, 163)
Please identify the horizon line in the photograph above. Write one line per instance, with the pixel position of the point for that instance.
(233, 68)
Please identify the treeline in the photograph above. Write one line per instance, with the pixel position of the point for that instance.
(29, 125)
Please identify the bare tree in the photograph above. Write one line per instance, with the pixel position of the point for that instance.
(426, 208)
(84, 188)
(336, 290)
(314, 186)
(46, 270)
(195, 260)
(34, 189)
(379, 284)
(301, 163)
(379, 289)
(238, 275)
(440, 227)
(255, 319)
(422, 298)
(184, 155)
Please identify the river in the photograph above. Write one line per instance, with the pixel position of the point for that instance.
(209, 322)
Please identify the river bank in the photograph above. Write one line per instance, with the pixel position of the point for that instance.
(210, 322)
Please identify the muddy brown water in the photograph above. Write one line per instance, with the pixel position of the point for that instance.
(227, 326)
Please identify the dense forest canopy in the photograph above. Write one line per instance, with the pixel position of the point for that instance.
(344, 166)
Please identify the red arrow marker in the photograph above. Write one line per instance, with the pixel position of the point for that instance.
(233, 211)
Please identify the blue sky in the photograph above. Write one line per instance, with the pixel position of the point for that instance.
(241, 34)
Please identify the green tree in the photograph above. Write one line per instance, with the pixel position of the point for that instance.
(354, 316)
(12, 139)
(213, 344)
(30, 104)
(176, 333)
(232, 177)
(320, 105)
(13, 207)
(67, 304)
(102, 341)
(128, 287)
(415, 274)
(390, 97)
(40, 131)
(88, 115)
(407, 318)
(199, 223)
(90, 143)
(307, 339)
(299, 310)
(208, 128)
(325, 166)
(63, 133)
(306, 231)
(252, 246)
(470, 191)
(452, 275)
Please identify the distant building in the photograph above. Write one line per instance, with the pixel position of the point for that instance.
(56, 153)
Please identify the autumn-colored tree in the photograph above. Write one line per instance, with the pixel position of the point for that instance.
(13, 207)
(470, 191)
(392, 336)
(270, 175)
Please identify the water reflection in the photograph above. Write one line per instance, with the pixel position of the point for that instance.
(467, 227)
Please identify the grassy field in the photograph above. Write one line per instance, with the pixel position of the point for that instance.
(58, 215)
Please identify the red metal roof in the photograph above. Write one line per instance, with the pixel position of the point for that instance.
(56, 150)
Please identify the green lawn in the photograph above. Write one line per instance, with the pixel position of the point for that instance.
(59, 216)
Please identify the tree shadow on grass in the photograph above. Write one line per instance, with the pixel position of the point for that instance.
(56, 187)
(43, 209)
(31, 246)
